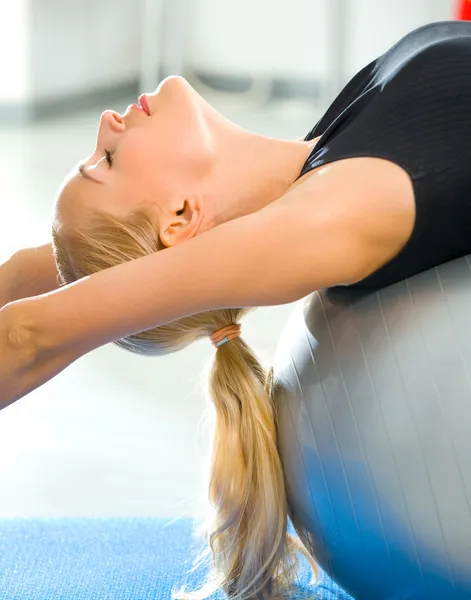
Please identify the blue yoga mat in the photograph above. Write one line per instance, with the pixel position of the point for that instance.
(110, 559)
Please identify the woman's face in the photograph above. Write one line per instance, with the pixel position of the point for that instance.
(143, 158)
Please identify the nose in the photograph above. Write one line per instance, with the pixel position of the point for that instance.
(112, 120)
(111, 124)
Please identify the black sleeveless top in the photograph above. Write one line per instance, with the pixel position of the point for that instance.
(412, 106)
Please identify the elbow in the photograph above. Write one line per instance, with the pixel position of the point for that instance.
(18, 335)
(18, 358)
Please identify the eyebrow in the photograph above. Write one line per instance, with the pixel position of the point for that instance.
(84, 174)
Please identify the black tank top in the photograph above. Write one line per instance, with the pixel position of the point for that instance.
(412, 106)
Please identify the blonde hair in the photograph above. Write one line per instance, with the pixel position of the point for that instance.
(253, 556)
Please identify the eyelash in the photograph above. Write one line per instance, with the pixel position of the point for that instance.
(109, 157)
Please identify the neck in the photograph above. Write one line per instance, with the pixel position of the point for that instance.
(251, 171)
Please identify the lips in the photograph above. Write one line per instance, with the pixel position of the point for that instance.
(144, 104)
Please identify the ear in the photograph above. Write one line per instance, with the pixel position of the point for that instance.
(184, 220)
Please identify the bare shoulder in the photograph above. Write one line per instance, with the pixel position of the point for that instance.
(372, 198)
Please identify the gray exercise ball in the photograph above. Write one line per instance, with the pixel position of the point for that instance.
(374, 421)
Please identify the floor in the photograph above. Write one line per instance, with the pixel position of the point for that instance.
(114, 434)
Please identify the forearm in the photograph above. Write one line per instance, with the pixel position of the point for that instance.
(30, 272)
(7, 281)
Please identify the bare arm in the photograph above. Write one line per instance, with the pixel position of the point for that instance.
(270, 257)
(6, 282)
(41, 271)
(29, 272)
(274, 256)
(18, 368)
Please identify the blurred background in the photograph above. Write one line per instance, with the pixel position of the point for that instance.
(116, 434)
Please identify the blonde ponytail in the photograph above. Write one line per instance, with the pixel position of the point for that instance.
(246, 528)
(247, 534)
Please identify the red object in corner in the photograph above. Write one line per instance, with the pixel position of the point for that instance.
(464, 10)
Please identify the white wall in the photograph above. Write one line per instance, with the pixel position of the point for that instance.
(55, 48)
(14, 50)
(293, 38)
(378, 25)
(266, 36)
(87, 44)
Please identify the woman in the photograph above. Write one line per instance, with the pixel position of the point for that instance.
(247, 220)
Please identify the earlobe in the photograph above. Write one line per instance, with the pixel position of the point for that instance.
(185, 222)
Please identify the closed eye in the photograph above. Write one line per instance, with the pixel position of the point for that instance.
(109, 157)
